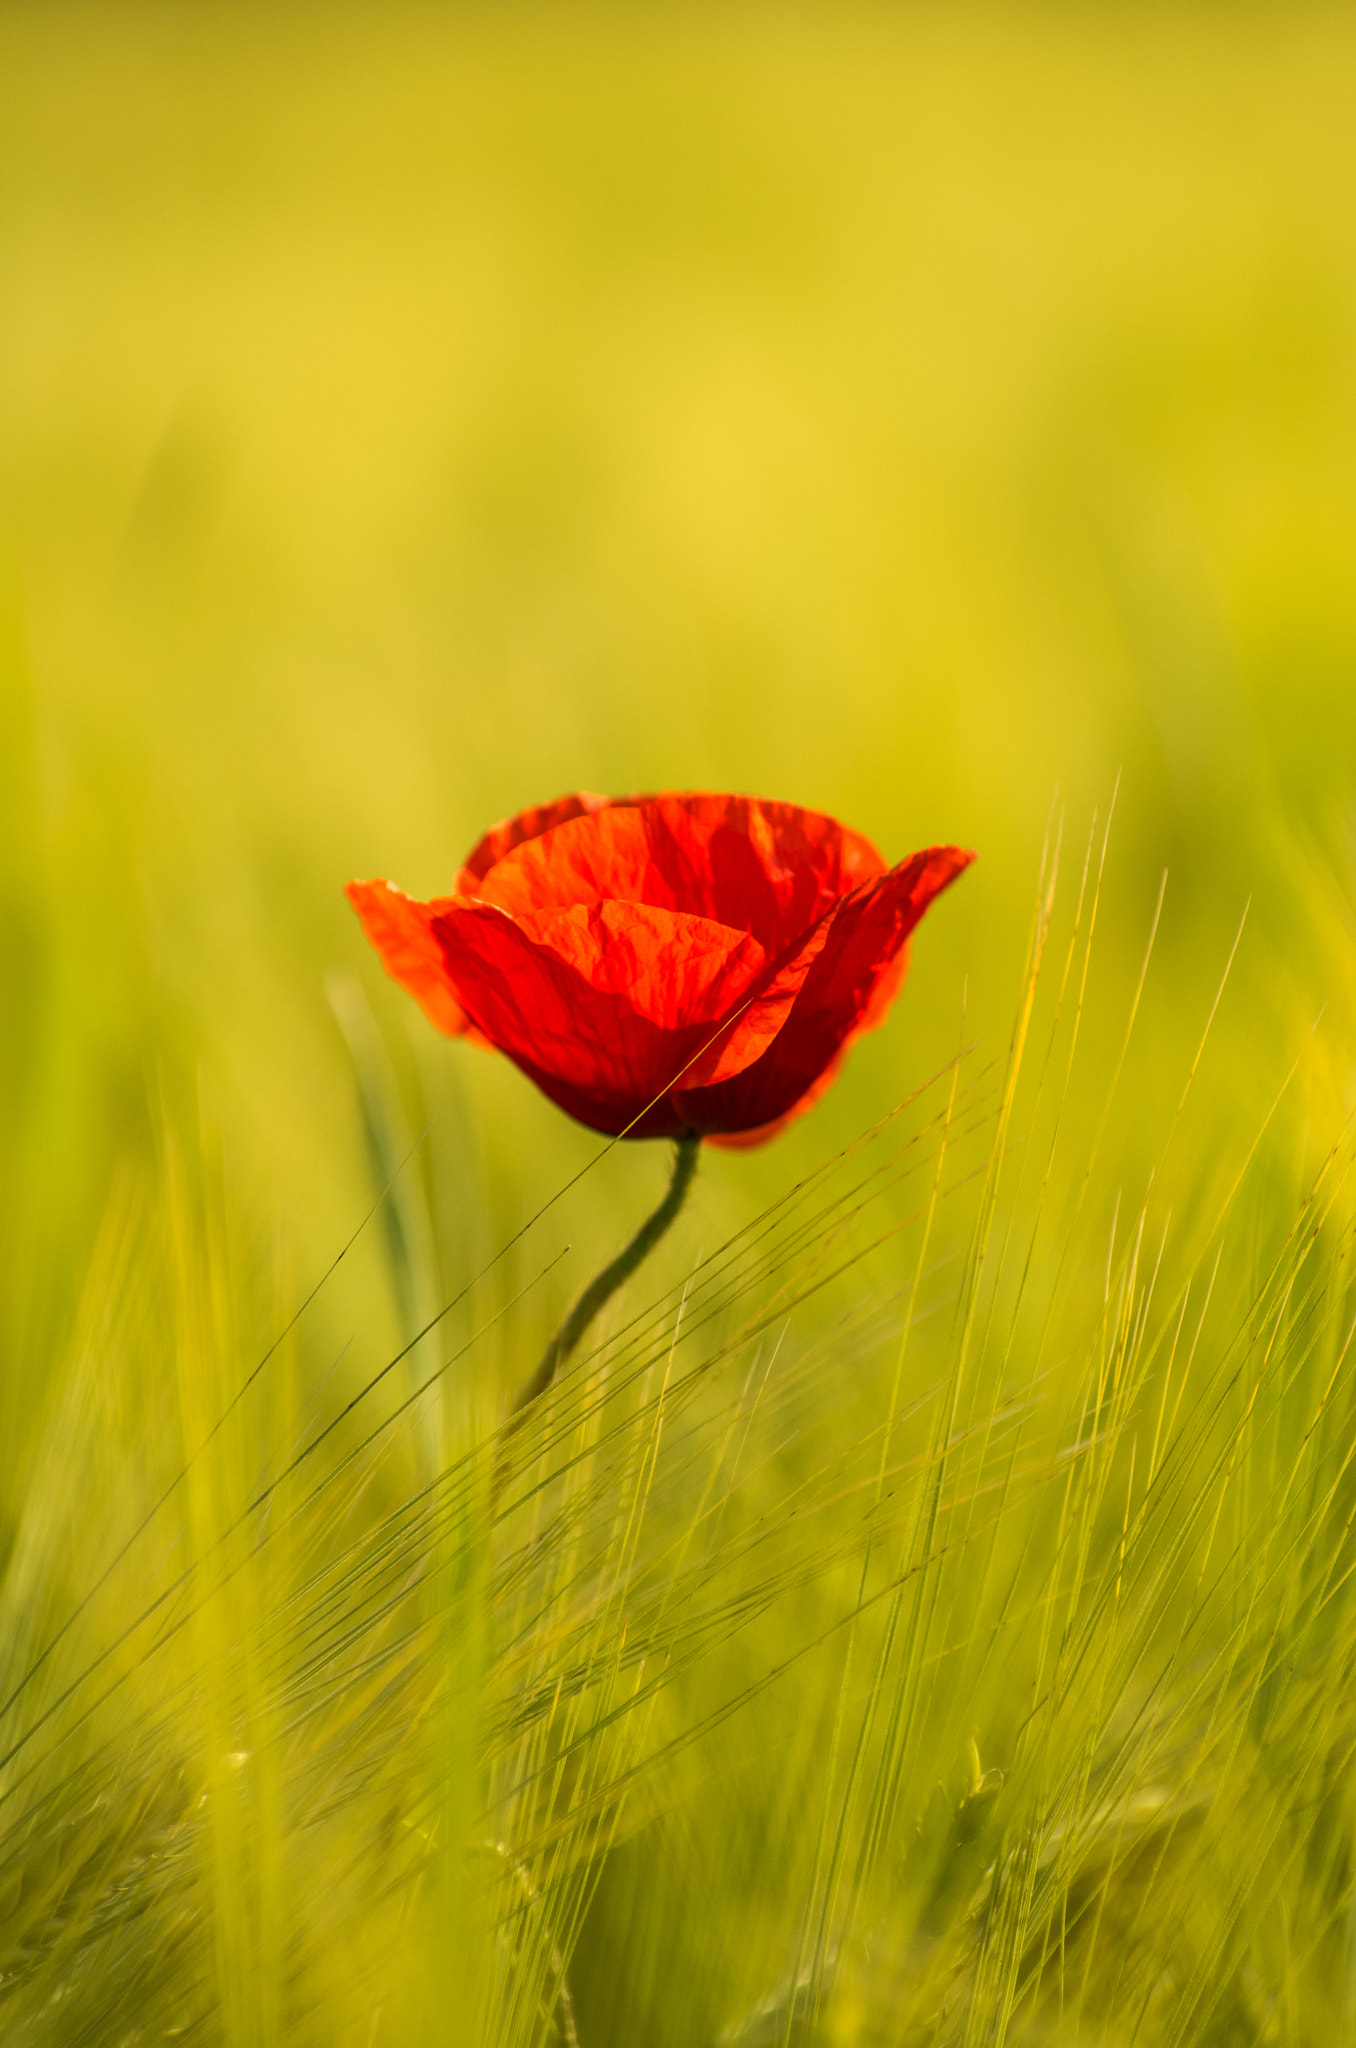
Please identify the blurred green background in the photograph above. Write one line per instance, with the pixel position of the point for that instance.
(406, 414)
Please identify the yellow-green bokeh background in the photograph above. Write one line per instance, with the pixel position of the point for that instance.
(925, 413)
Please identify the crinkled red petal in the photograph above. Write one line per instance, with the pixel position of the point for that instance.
(768, 868)
(529, 824)
(877, 1009)
(401, 930)
(602, 1004)
(856, 970)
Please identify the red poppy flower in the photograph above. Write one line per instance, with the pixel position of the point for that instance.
(664, 965)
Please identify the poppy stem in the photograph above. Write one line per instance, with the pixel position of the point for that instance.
(601, 1290)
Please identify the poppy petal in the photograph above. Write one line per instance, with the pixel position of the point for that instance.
(856, 970)
(524, 826)
(767, 1009)
(606, 1002)
(759, 1134)
(400, 928)
(769, 868)
(874, 1015)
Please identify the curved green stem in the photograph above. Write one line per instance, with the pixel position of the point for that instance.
(610, 1279)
